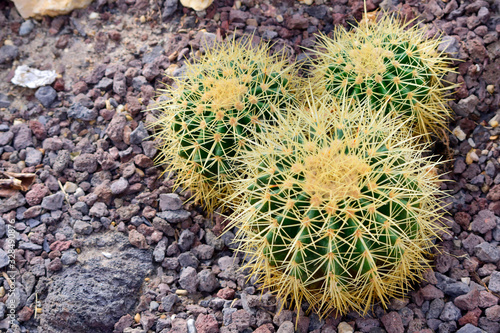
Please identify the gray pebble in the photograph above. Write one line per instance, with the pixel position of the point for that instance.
(26, 28)
(119, 186)
(174, 216)
(82, 227)
(450, 312)
(8, 53)
(286, 327)
(207, 281)
(78, 111)
(187, 259)
(30, 246)
(170, 201)
(46, 95)
(469, 328)
(487, 252)
(4, 103)
(188, 279)
(105, 84)
(159, 251)
(33, 157)
(138, 82)
(494, 284)
(138, 135)
(169, 301)
(186, 239)
(4, 258)
(69, 257)
(53, 202)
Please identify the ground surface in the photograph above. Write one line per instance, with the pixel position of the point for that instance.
(101, 243)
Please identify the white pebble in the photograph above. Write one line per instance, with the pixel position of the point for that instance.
(459, 133)
(190, 326)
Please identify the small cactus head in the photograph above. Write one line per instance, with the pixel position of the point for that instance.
(341, 212)
(211, 112)
(387, 64)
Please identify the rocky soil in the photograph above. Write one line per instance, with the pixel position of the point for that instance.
(102, 244)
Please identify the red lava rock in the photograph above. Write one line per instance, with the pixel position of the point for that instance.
(487, 299)
(297, 21)
(62, 42)
(226, 293)
(115, 128)
(59, 84)
(36, 194)
(123, 323)
(206, 324)
(469, 301)
(137, 239)
(471, 317)
(60, 245)
(79, 87)
(429, 292)
(476, 49)
(484, 221)
(493, 313)
(463, 219)
(114, 35)
(38, 129)
(143, 161)
(55, 265)
(25, 314)
(266, 328)
(149, 212)
(392, 322)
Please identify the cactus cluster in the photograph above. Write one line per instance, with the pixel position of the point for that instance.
(390, 65)
(338, 211)
(334, 201)
(212, 112)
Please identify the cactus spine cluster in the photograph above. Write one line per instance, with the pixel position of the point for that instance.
(339, 212)
(390, 65)
(212, 112)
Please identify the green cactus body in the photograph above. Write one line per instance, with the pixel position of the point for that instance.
(209, 119)
(388, 65)
(339, 218)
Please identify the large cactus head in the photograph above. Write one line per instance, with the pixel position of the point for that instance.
(388, 64)
(213, 109)
(339, 212)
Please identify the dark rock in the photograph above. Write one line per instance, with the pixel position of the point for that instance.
(494, 284)
(53, 202)
(138, 135)
(487, 252)
(169, 301)
(169, 8)
(46, 95)
(8, 53)
(188, 279)
(94, 296)
(85, 162)
(23, 138)
(392, 322)
(207, 281)
(170, 201)
(175, 216)
(78, 111)
(186, 239)
(450, 312)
